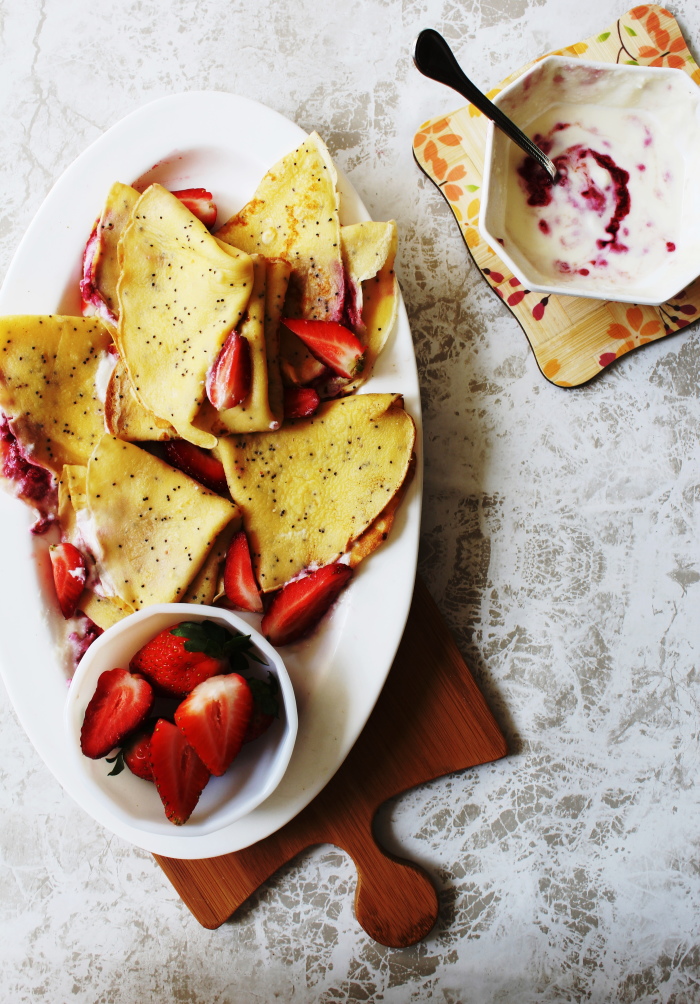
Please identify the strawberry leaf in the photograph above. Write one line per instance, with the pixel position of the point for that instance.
(265, 695)
(218, 642)
(118, 762)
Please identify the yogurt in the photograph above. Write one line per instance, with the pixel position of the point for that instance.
(614, 213)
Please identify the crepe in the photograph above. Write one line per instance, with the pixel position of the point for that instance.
(50, 370)
(149, 526)
(263, 408)
(294, 215)
(180, 292)
(125, 416)
(115, 215)
(309, 490)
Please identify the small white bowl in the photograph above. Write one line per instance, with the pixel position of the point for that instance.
(254, 774)
(663, 101)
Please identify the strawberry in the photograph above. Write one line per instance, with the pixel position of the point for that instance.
(265, 707)
(228, 380)
(298, 607)
(196, 463)
(331, 343)
(214, 719)
(167, 662)
(200, 204)
(300, 402)
(239, 580)
(178, 773)
(136, 751)
(69, 575)
(120, 703)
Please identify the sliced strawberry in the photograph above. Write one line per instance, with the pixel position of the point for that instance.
(298, 607)
(167, 663)
(214, 719)
(137, 751)
(197, 463)
(178, 773)
(300, 402)
(120, 703)
(69, 575)
(228, 380)
(239, 579)
(200, 204)
(331, 343)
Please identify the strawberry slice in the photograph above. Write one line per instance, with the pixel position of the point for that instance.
(178, 773)
(331, 343)
(120, 703)
(196, 463)
(300, 402)
(239, 579)
(69, 575)
(166, 662)
(200, 203)
(298, 607)
(228, 380)
(214, 719)
(137, 751)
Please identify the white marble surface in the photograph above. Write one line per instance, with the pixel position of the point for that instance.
(560, 540)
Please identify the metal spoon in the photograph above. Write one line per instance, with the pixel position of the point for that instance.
(434, 58)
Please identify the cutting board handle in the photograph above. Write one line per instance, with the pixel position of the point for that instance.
(395, 901)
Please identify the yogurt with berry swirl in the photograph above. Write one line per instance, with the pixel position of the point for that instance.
(623, 220)
(615, 210)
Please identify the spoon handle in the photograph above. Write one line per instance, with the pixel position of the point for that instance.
(434, 58)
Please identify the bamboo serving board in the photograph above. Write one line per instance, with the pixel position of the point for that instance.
(430, 720)
(573, 338)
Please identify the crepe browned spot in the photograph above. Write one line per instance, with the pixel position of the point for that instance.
(294, 215)
(151, 527)
(181, 292)
(313, 487)
(49, 371)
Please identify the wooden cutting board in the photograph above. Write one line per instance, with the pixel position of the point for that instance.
(430, 720)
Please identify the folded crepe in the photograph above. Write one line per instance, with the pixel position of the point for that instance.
(115, 215)
(51, 368)
(263, 408)
(180, 293)
(294, 215)
(150, 527)
(309, 490)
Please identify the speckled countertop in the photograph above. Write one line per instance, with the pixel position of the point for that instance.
(560, 539)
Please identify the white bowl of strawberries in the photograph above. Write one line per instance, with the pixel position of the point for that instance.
(181, 714)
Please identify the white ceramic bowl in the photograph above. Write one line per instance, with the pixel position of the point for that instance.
(254, 774)
(631, 108)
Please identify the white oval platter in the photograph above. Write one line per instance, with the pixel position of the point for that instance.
(224, 143)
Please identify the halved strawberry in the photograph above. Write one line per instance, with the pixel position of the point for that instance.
(69, 575)
(239, 579)
(137, 751)
(214, 719)
(197, 463)
(120, 703)
(331, 343)
(200, 203)
(228, 380)
(298, 607)
(300, 402)
(178, 773)
(167, 663)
